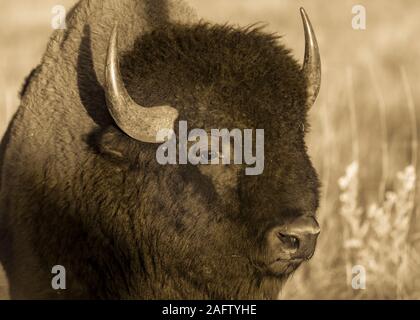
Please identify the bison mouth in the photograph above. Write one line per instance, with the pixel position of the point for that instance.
(284, 267)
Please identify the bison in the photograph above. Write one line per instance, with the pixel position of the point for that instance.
(80, 184)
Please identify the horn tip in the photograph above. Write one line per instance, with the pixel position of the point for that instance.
(114, 30)
(303, 14)
(112, 46)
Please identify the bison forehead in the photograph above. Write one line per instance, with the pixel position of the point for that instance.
(237, 76)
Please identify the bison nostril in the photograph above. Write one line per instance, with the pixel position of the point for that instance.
(289, 241)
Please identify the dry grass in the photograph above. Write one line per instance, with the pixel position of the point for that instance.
(364, 135)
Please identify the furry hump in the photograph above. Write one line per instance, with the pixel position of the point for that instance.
(75, 57)
(68, 84)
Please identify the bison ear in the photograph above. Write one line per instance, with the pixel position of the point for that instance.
(108, 142)
(113, 143)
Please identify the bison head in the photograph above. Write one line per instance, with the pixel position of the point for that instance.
(211, 231)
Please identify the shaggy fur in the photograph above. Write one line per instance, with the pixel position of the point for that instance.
(78, 192)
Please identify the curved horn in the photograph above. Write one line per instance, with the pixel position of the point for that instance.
(140, 123)
(312, 61)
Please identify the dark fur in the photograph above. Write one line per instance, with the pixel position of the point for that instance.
(125, 227)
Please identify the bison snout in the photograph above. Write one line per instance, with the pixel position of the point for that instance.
(294, 241)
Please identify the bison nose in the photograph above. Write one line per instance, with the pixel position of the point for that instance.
(295, 240)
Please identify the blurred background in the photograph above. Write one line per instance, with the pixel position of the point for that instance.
(363, 138)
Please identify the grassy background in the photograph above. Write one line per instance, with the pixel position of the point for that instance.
(365, 114)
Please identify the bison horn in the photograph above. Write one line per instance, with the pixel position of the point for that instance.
(312, 61)
(140, 123)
